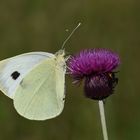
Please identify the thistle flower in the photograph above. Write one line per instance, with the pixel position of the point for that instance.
(96, 67)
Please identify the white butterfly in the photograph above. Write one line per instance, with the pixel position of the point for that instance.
(35, 81)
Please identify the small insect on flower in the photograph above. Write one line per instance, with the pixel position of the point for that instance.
(96, 67)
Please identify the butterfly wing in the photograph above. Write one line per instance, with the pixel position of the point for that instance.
(40, 95)
(13, 70)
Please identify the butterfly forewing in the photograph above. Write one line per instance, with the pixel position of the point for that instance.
(14, 69)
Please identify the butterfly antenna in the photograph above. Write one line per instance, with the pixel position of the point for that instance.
(70, 35)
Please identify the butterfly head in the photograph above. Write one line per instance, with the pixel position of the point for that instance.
(60, 53)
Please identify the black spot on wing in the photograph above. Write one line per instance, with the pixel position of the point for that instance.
(15, 75)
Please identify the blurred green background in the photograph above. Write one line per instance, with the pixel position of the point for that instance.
(40, 25)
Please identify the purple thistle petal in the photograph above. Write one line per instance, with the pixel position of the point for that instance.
(93, 61)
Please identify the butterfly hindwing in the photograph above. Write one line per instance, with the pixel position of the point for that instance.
(13, 70)
(41, 92)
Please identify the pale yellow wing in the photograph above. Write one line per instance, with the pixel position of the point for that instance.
(40, 94)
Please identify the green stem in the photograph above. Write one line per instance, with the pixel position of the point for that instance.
(103, 121)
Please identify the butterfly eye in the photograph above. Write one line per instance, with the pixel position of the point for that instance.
(15, 75)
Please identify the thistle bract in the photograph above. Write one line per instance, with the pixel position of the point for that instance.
(96, 67)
